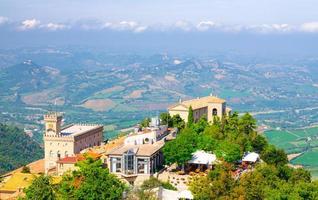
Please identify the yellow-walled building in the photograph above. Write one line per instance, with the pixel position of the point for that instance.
(210, 106)
(68, 141)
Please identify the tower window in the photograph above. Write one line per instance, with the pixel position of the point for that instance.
(214, 112)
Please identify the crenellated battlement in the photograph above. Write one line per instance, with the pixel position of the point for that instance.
(53, 116)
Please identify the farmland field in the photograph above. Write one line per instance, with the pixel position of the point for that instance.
(303, 141)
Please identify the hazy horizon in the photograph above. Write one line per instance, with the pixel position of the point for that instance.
(245, 26)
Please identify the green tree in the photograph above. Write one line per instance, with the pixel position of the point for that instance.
(190, 117)
(217, 185)
(259, 143)
(230, 152)
(178, 122)
(247, 123)
(206, 143)
(40, 189)
(200, 126)
(180, 150)
(232, 122)
(16, 148)
(201, 187)
(153, 182)
(91, 181)
(274, 156)
(145, 122)
(300, 175)
(165, 119)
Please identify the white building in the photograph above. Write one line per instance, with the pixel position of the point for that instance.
(148, 135)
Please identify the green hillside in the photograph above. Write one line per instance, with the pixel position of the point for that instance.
(16, 148)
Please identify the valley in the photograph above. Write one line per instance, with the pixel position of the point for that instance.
(118, 90)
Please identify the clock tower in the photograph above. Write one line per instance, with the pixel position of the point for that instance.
(52, 124)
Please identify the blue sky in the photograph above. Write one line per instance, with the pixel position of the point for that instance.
(167, 13)
(212, 25)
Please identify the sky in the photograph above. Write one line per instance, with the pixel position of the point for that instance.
(59, 20)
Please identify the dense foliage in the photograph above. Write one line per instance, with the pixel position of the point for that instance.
(16, 148)
(174, 121)
(40, 189)
(154, 183)
(145, 122)
(91, 181)
(264, 182)
(229, 138)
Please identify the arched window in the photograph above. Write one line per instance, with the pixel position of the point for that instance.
(58, 154)
(51, 154)
(214, 112)
(66, 154)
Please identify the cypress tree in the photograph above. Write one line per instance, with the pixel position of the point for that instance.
(190, 117)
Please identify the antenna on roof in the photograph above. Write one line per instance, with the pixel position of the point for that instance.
(55, 106)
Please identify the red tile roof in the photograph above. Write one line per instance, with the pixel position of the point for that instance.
(79, 157)
(70, 160)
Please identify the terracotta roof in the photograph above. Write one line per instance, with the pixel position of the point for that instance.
(199, 102)
(111, 145)
(69, 160)
(91, 154)
(36, 167)
(79, 157)
(139, 150)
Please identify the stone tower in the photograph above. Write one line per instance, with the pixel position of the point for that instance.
(52, 124)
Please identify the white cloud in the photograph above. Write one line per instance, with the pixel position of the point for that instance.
(54, 26)
(136, 27)
(309, 27)
(3, 20)
(269, 28)
(125, 26)
(140, 29)
(29, 24)
(205, 25)
(121, 26)
(177, 62)
(183, 25)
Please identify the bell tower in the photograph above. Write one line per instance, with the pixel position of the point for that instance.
(52, 124)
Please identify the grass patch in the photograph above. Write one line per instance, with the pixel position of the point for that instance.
(309, 159)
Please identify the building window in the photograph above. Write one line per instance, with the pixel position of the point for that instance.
(66, 154)
(51, 154)
(214, 112)
(129, 158)
(142, 166)
(116, 164)
(58, 154)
